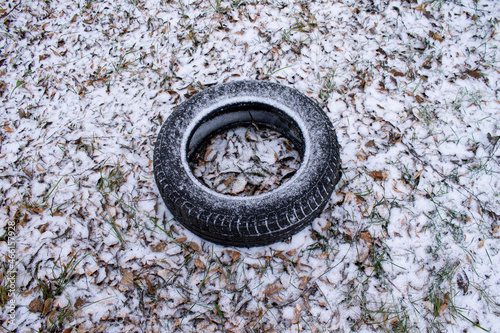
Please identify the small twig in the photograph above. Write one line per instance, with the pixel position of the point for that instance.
(10, 11)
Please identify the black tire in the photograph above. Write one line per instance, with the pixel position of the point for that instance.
(252, 220)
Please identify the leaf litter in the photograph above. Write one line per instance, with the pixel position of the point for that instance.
(408, 241)
(246, 161)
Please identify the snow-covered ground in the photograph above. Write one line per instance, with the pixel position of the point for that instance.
(408, 242)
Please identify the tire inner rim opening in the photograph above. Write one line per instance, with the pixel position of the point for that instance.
(248, 132)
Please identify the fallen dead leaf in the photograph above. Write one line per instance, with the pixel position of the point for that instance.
(128, 279)
(235, 255)
(229, 180)
(280, 255)
(378, 175)
(475, 74)
(199, 264)
(208, 155)
(23, 220)
(160, 247)
(194, 246)
(396, 73)
(365, 235)
(304, 281)
(443, 306)
(38, 210)
(419, 99)
(418, 174)
(438, 37)
(421, 7)
(47, 306)
(298, 310)
(239, 185)
(36, 305)
(273, 288)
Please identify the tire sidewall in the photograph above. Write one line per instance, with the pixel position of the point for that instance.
(187, 198)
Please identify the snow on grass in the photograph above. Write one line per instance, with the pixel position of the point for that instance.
(409, 241)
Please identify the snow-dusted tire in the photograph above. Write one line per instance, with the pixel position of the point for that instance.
(251, 220)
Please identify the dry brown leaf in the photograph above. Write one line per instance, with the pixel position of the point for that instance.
(160, 247)
(215, 269)
(418, 174)
(229, 180)
(208, 155)
(419, 99)
(475, 74)
(361, 155)
(47, 306)
(250, 136)
(8, 129)
(379, 175)
(43, 56)
(370, 144)
(128, 279)
(194, 246)
(481, 243)
(298, 310)
(365, 235)
(235, 255)
(276, 298)
(24, 219)
(202, 325)
(199, 264)
(396, 190)
(396, 73)
(323, 255)
(421, 7)
(438, 37)
(443, 306)
(304, 281)
(36, 305)
(181, 239)
(239, 185)
(280, 255)
(273, 288)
